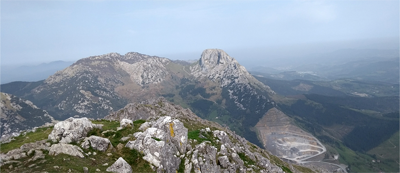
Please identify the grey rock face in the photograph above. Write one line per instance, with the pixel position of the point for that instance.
(71, 130)
(69, 149)
(207, 161)
(224, 161)
(97, 143)
(120, 166)
(171, 140)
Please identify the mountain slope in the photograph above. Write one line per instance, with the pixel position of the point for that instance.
(98, 85)
(18, 114)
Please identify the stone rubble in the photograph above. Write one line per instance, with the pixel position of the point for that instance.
(24, 151)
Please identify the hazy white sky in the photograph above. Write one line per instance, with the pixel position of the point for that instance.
(43, 31)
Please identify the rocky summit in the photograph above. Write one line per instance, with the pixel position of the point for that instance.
(168, 139)
(218, 66)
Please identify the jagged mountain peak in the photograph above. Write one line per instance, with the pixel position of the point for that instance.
(214, 57)
(218, 66)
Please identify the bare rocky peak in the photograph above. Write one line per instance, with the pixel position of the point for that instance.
(218, 66)
(211, 58)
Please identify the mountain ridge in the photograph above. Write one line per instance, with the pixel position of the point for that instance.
(18, 115)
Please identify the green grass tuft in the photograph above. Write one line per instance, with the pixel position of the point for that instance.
(182, 165)
(157, 139)
(40, 134)
(246, 159)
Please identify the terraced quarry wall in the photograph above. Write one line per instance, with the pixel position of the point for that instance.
(284, 139)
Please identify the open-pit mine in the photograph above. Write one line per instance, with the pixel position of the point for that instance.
(284, 139)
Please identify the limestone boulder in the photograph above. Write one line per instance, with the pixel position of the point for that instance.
(69, 149)
(72, 130)
(120, 166)
(97, 143)
(126, 122)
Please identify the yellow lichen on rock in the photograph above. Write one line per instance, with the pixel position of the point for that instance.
(171, 129)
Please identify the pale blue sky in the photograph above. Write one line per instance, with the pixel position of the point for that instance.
(44, 31)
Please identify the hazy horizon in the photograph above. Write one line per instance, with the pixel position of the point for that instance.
(265, 31)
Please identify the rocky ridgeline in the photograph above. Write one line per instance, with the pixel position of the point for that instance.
(168, 142)
(143, 69)
(94, 86)
(18, 115)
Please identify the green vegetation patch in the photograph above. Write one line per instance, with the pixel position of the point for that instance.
(157, 139)
(286, 169)
(115, 136)
(95, 132)
(182, 165)
(246, 159)
(107, 124)
(302, 169)
(278, 162)
(39, 134)
(201, 136)
(138, 122)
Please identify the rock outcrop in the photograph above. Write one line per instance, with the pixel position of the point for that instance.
(69, 149)
(71, 130)
(24, 151)
(97, 143)
(153, 143)
(120, 166)
(126, 122)
(166, 142)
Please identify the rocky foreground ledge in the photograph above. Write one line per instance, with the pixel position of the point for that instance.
(153, 136)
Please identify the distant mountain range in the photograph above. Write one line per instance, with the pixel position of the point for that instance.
(30, 73)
